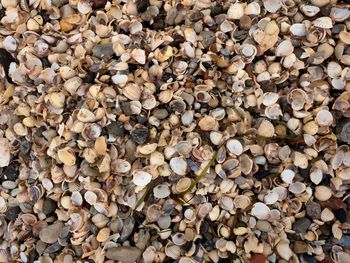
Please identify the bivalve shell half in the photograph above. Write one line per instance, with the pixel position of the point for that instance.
(345, 37)
(323, 22)
(339, 14)
(234, 146)
(287, 176)
(178, 165)
(344, 174)
(298, 30)
(324, 118)
(141, 178)
(261, 211)
(284, 48)
(272, 6)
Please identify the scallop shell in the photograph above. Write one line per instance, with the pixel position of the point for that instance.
(323, 22)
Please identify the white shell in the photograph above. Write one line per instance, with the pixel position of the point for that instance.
(5, 155)
(261, 211)
(287, 176)
(161, 191)
(272, 5)
(324, 118)
(236, 11)
(234, 146)
(298, 30)
(297, 188)
(271, 198)
(178, 165)
(284, 48)
(316, 176)
(141, 178)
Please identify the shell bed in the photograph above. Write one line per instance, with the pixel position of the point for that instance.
(177, 131)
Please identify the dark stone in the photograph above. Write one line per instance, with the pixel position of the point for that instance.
(343, 131)
(11, 172)
(178, 39)
(24, 147)
(142, 5)
(128, 228)
(309, 258)
(98, 3)
(340, 214)
(116, 128)
(313, 210)
(196, 16)
(301, 225)
(5, 60)
(345, 241)
(216, 10)
(12, 213)
(140, 135)
(49, 207)
(142, 118)
(168, 77)
(53, 248)
(90, 78)
(208, 38)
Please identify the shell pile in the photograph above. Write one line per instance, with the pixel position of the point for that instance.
(174, 131)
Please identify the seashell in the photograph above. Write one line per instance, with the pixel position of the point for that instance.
(135, 27)
(323, 22)
(252, 9)
(266, 129)
(57, 99)
(208, 123)
(5, 155)
(161, 191)
(132, 91)
(272, 6)
(84, 115)
(339, 14)
(344, 174)
(172, 251)
(261, 211)
(334, 69)
(156, 159)
(234, 146)
(327, 215)
(103, 234)
(287, 176)
(320, 3)
(100, 145)
(284, 48)
(90, 197)
(202, 96)
(139, 56)
(345, 37)
(298, 30)
(271, 198)
(148, 148)
(179, 239)
(178, 165)
(120, 79)
(241, 201)
(324, 118)
(66, 156)
(236, 11)
(284, 250)
(215, 137)
(141, 178)
(300, 160)
(76, 198)
(316, 176)
(184, 148)
(297, 188)
(323, 193)
(310, 10)
(183, 184)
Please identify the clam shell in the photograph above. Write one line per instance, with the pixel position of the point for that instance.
(323, 193)
(345, 37)
(324, 118)
(234, 146)
(339, 14)
(310, 10)
(272, 6)
(298, 30)
(178, 165)
(236, 11)
(287, 176)
(141, 178)
(284, 48)
(261, 211)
